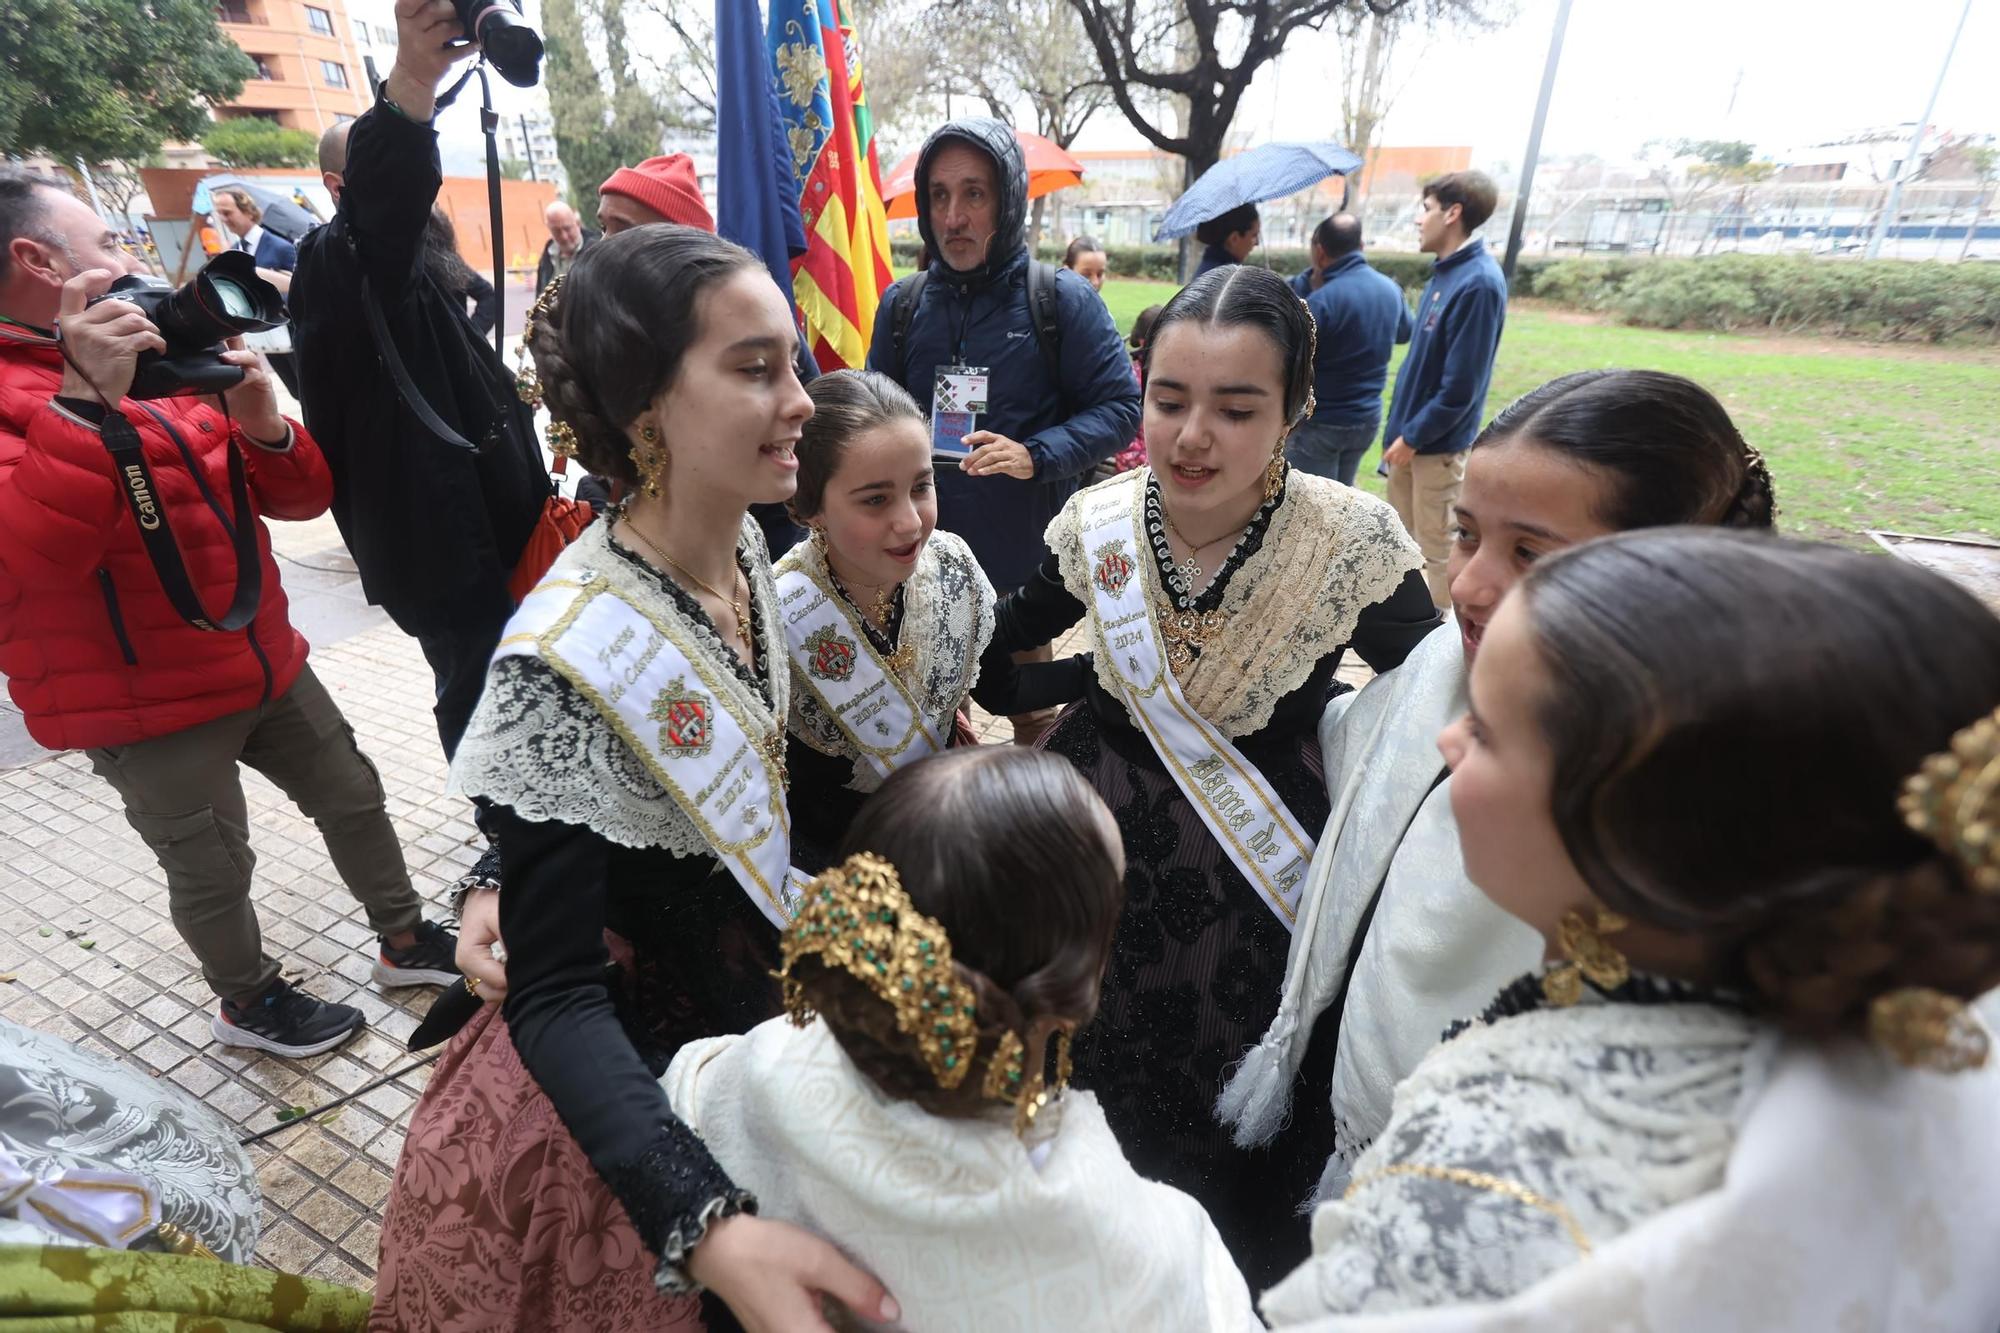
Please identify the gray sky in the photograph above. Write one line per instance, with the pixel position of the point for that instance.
(1811, 70)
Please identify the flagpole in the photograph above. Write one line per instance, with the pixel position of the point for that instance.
(1908, 166)
(1535, 141)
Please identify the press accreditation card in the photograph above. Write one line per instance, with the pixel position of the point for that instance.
(958, 396)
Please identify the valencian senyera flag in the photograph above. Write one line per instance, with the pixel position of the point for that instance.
(839, 281)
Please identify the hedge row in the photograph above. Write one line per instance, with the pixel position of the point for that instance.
(1157, 262)
(1893, 300)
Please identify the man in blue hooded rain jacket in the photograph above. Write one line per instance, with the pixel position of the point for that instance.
(1040, 434)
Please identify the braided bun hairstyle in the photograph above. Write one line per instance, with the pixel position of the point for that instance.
(613, 340)
(1732, 719)
(1013, 854)
(1665, 447)
(1239, 294)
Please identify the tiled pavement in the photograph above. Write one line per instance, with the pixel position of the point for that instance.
(93, 957)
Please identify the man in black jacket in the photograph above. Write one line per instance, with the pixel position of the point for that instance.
(568, 238)
(434, 527)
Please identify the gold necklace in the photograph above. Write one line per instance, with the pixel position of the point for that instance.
(735, 607)
(881, 607)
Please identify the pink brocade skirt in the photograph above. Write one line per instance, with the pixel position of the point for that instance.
(496, 1219)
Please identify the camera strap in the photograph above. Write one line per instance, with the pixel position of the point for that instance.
(142, 496)
(489, 124)
(406, 388)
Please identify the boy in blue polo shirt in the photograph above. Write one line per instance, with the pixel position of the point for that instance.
(1441, 389)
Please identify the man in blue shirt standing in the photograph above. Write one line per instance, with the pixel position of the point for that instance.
(1361, 317)
(1441, 388)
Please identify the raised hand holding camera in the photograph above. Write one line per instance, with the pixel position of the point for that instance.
(429, 41)
(102, 341)
(254, 403)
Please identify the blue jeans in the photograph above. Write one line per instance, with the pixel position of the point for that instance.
(1330, 448)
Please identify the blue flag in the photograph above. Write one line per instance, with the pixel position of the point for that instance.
(756, 197)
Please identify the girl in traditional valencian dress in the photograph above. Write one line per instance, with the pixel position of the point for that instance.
(631, 744)
(1751, 808)
(889, 622)
(913, 1109)
(1221, 590)
(1394, 943)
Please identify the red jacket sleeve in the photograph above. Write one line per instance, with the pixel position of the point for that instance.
(292, 484)
(57, 498)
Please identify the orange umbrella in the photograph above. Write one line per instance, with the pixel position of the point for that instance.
(1049, 169)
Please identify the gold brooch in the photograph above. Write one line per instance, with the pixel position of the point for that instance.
(1186, 633)
(1926, 1029)
(1586, 954)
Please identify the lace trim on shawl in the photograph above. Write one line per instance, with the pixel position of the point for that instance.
(947, 616)
(1613, 1110)
(538, 746)
(1330, 552)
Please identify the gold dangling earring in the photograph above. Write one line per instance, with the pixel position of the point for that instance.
(1274, 474)
(1003, 1070)
(1586, 955)
(649, 461)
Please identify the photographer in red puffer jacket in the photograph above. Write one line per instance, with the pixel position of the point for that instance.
(98, 658)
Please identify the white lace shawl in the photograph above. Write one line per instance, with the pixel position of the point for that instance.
(947, 618)
(1859, 1197)
(1330, 552)
(1437, 948)
(971, 1231)
(1612, 1111)
(538, 746)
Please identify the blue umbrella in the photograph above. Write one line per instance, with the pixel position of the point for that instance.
(1268, 171)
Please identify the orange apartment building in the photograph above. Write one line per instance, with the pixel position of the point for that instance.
(309, 74)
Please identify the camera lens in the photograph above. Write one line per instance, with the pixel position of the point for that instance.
(236, 302)
(513, 48)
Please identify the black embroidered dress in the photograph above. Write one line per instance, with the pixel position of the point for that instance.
(1199, 954)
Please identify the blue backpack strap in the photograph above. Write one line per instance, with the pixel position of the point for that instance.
(1047, 319)
(908, 292)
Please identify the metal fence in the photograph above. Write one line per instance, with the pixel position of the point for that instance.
(1942, 221)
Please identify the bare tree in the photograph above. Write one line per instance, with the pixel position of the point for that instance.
(900, 70)
(1032, 54)
(1369, 41)
(683, 69)
(1183, 48)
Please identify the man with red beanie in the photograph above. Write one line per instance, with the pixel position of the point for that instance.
(668, 189)
(660, 189)
(101, 645)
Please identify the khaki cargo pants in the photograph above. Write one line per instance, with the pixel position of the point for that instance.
(1423, 494)
(184, 796)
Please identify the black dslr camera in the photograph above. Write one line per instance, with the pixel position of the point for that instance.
(224, 299)
(511, 46)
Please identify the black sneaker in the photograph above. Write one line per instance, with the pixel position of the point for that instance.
(286, 1021)
(427, 962)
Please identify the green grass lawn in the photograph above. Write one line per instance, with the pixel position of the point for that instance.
(1857, 435)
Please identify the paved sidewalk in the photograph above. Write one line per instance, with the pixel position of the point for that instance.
(94, 957)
